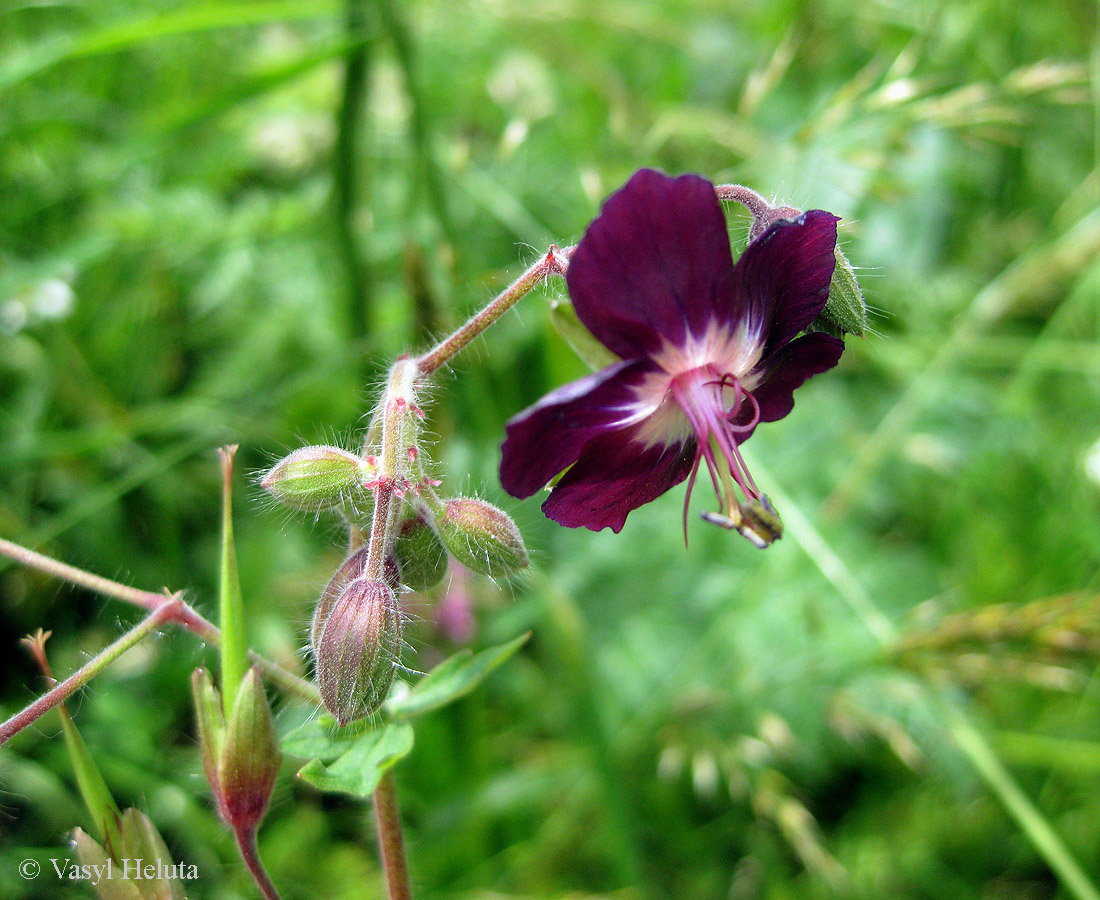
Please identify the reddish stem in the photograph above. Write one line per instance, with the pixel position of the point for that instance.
(166, 612)
(184, 615)
(554, 262)
(246, 843)
(391, 842)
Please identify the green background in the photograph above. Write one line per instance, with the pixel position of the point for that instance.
(206, 237)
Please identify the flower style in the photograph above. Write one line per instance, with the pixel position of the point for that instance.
(708, 349)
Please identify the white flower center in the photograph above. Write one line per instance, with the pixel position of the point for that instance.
(721, 351)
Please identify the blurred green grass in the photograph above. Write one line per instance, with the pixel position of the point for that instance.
(695, 722)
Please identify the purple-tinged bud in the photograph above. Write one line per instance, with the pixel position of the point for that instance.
(312, 479)
(353, 567)
(250, 755)
(160, 877)
(481, 537)
(421, 557)
(240, 754)
(357, 650)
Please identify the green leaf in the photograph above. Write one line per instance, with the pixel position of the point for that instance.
(453, 678)
(322, 738)
(362, 765)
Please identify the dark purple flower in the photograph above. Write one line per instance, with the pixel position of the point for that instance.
(708, 351)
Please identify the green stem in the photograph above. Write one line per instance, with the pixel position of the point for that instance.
(346, 182)
(234, 649)
(186, 615)
(167, 612)
(391, 841)
(554, 262)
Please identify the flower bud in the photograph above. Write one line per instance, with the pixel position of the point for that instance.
(315, 478)
(250, 755)
(240, 754)
(357, 649)
(481, 537)
(421, 558)
(353, 567)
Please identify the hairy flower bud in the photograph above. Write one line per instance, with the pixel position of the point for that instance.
(421, 558)
(315, 478)
(353, 567)
(356, 649)
(240, 754)
(481, 537)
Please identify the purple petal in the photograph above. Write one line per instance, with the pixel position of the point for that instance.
(549, 436)
(615, 475)
(784, 275)
(789, 367)
(655, 263)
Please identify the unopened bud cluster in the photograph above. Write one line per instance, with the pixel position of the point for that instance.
(384, 492)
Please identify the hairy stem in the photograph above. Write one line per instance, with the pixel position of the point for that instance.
(167, 612)
(183, 615)
(554, 262)
(391, 842)
(747, 197)
(246, 843)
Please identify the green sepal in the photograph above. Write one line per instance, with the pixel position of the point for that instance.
(140, 841)
(211, 722)
(234, 645)
(93, 789)
(845, 311)
(421, 557)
